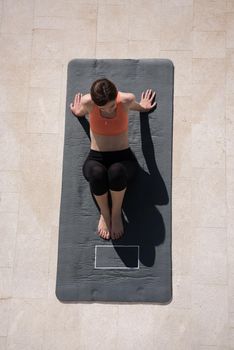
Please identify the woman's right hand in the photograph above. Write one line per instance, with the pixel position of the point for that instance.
(76, 105)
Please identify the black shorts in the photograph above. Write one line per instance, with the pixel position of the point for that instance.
(112, 170)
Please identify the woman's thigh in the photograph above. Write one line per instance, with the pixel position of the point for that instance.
(104, 163)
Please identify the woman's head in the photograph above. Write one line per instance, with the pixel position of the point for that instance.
(104, 93)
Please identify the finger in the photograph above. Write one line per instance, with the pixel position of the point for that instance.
(79, 98)
(142, 95)
(147, 93)
(153, 95)
(77, 95)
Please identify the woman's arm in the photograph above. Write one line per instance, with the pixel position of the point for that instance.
(145, 104)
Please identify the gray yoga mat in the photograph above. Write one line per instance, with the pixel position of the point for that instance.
(137, 267)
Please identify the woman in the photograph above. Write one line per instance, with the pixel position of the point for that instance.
(111, 165)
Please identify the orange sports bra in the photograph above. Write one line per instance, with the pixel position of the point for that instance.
(109, 126)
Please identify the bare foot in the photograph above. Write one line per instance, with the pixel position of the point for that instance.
(104, 227)
(117, 229)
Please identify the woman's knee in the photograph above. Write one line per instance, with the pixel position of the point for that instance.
(96, 174)
(117, 177)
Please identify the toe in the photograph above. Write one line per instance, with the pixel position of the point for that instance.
(106, 234)
(101, 233)
(120, 234)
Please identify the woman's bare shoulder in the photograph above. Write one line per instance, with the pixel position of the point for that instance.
(88, 101)
(126, 97)
(87, 98)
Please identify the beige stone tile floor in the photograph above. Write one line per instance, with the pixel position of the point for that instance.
(37, 40)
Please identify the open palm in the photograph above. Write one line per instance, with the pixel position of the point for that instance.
(147, 99)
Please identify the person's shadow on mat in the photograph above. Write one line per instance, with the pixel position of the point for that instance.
(143, 223)
(145, 226)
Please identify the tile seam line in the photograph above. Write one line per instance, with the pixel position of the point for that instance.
(225, 127)
(2, 16)
(204, 227)
(96, 37)
(209, 31)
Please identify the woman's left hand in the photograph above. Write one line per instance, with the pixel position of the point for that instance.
(146, 100)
